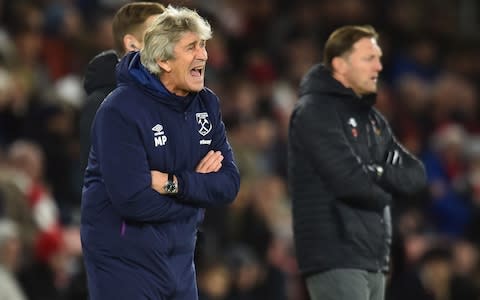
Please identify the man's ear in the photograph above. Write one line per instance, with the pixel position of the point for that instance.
(130, 43)
(164, 64)
(339, 64)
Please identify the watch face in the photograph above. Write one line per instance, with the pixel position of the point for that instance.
(170, 187)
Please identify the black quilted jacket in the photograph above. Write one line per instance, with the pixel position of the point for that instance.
(341, 208)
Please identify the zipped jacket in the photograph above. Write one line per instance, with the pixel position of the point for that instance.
(341, 199)
(143, 239)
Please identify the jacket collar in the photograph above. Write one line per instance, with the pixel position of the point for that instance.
(319, 80)
(130, 70)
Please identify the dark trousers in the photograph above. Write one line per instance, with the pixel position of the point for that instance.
(346, 284)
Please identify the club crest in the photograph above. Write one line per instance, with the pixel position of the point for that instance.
(205, 124)
(353, 124)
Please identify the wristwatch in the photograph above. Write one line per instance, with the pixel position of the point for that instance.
(376, 169)
(379, 170)
(170, 186)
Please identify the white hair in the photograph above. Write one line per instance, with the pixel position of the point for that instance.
(166, 30)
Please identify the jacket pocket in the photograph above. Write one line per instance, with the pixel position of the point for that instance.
(147, 249)
(365, 229)
(147, 237)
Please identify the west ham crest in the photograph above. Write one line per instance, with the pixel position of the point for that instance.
(205, 125)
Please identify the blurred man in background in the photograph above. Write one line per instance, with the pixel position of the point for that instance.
(345, 166)
(129, 25)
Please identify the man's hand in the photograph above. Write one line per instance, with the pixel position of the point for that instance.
(158, 181)
(212, 162)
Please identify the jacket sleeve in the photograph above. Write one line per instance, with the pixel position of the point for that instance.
(406, 178)
(217, 188)
(126, 173)
(317, 127)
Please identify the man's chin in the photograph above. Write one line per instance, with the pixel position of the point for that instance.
(197, 88)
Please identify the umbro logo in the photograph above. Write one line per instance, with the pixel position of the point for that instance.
(158, 129)
(159, 136)
(352, 122)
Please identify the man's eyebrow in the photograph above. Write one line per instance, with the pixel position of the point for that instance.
(191, 43)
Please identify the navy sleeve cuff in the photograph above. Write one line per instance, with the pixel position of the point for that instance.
(181, 187)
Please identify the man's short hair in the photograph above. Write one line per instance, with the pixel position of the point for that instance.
(162, 35)
(341, 41)
(130, 19)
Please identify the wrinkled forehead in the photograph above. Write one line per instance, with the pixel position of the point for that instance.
(189, 37)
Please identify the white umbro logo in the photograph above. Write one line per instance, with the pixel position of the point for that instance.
(158, 129)
(352, 122)
(159, 136)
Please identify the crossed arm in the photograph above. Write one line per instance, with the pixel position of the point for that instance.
(405, 175)
(211, 163)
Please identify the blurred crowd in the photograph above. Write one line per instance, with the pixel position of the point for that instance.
(259, 52)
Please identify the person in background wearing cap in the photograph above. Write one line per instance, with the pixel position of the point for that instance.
(345, 166)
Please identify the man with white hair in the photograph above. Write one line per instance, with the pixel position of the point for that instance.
(159, 156)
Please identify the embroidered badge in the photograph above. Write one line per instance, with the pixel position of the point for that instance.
(205, 124)
(353, 123)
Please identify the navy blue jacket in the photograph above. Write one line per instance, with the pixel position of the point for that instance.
(137, 241)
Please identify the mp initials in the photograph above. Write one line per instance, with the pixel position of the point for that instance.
(160, 140)
(159, 136)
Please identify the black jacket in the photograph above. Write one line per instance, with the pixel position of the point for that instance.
(99, 81)
(341, 207)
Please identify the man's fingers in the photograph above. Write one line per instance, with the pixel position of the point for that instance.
(201, 164)
(218, 167)
(210, 163)
(217, 164)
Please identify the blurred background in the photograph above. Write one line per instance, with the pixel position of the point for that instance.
(259, 52)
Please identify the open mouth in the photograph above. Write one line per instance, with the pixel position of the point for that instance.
(197, 72)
